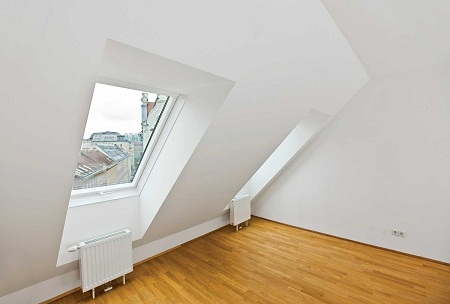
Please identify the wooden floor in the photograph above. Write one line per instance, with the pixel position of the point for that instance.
(269, 262)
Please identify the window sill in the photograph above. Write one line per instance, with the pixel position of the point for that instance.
(99, 197)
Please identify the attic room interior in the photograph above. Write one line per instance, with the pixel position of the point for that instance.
(330, 118)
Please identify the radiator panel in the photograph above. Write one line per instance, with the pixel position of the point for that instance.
(105, 258)
(240, 210)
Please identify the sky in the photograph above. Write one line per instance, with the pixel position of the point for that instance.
(115, 109)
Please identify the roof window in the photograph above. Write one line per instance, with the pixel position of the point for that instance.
(121, 130)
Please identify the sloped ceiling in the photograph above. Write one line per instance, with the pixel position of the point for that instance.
(308, 64)
(285, 56)
(394, 36)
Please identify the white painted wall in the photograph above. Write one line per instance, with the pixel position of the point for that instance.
(153, 248)
(293, 144)
(93, 220)
(44, 290)
(204, 94)
(58, 285)
(136, 208)
(243, 191)
(268, 100)
(394, 36)
(289, 57)
(381, 163)
(200, 107)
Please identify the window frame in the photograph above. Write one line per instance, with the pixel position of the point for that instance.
(155, 145)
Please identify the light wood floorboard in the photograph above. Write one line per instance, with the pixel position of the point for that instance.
(269, 262)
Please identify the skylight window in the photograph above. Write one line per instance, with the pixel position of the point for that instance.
(122, 128)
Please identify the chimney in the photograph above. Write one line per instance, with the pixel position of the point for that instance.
(150, 106)
(144, 105)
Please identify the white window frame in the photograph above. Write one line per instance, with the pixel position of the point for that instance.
(154, 147)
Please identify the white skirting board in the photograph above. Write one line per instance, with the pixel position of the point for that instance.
(58, 285)
(45, 290)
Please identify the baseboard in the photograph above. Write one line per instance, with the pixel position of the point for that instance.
(61, 295)
(356, 242)
(44, 290)
(62, 285)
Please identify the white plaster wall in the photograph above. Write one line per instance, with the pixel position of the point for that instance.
(277, 83)
(243, 191)
(293, 144)
(58, 285)
(394, 36)
(288, 57)
(89, 221)
(203, 92)
(198, 111)
(381, 163)
(135, 208)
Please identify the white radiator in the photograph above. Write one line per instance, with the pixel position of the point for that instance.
(240, 210)
(104, 259)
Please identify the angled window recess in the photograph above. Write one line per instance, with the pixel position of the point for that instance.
(121, 131)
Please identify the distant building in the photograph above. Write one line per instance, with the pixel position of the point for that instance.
(126, 142)
(102, 165)
(133, 137)
(138, 151)
(107, 136)
(108, 158)
(151, 111)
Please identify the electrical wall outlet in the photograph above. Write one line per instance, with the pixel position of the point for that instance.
(399, 233)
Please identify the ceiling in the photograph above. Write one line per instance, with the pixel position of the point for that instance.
(286, 57)
(394, 36)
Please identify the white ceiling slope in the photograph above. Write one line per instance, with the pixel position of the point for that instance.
(394, 36)
(387, 36)
(285, 56)
(314, 68)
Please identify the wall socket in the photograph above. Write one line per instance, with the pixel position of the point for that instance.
(399, 233)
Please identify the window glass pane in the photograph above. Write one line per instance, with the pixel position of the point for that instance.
(120, 126)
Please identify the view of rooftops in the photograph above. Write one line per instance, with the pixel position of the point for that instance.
(121, 124)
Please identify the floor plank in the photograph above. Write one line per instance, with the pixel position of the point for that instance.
(268, 262)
